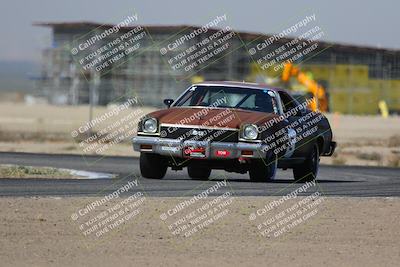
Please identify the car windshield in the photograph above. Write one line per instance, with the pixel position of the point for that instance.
(228, 97)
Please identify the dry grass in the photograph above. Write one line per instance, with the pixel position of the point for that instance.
(339, 161)
(44, 122)
(47, 129)
(15, 171)
(338, 158)
(39, 136)
(369, 156)
(394, 161)
(394, 141)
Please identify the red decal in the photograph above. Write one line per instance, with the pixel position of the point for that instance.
(222, 153)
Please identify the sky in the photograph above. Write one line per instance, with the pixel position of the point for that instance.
(370, 23)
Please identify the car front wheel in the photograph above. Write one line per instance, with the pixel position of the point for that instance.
(308, 171)
(152, 166)
(198, 173)
(263, 170)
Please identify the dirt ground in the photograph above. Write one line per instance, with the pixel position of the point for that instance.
(344, 232)
(42, 128)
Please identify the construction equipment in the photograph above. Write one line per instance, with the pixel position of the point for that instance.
(316, 90)
(383, 109)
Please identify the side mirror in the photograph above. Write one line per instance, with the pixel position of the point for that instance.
(168, 102)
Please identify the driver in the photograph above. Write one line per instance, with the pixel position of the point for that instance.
(263, 103)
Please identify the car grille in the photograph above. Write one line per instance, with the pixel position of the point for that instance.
(202, 134)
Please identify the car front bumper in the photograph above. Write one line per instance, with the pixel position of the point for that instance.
(212, 150)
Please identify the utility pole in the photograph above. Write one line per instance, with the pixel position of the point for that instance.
(93, 84)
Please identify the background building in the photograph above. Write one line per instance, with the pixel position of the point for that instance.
(356, 77)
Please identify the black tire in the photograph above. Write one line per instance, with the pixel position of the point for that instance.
(263, 170)
(198, 173)
(308, 171)
(152, 166)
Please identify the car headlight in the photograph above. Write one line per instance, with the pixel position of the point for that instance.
(150, 125)
(250, 132)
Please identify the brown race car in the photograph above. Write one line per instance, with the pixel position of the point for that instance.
(237, 127)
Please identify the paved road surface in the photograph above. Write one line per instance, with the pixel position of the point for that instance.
(332, 180)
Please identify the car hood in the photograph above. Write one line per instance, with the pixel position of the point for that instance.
(218, 117)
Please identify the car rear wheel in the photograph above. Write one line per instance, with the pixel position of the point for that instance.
(152, 166)
(308, 171)
(263, 170)
(199, 172)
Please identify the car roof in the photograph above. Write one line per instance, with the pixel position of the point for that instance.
(260, 86)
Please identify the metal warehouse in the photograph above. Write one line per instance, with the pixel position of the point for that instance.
(356, 78)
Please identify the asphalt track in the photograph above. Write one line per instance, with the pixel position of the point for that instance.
(332, 180)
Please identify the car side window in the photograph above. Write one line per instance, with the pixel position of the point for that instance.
(288, 102)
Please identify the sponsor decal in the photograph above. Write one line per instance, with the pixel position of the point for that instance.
(222, 153)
